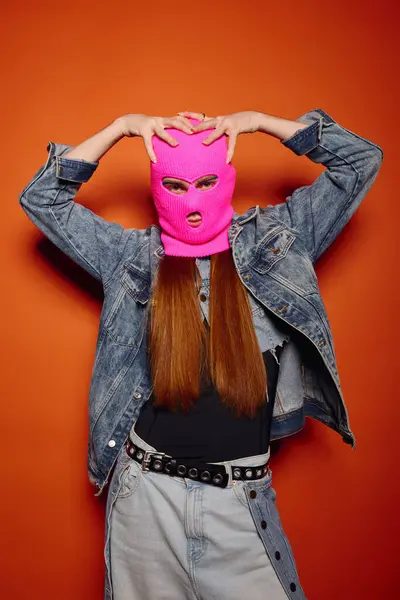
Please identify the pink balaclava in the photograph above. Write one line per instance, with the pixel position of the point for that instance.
(189, 161)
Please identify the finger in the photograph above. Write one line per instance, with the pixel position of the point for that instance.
(179, 123)
(186, 121)
(210, 124)
(149, 148)
(214, 135)
(166, 137)
(192, 115)
(231, 147)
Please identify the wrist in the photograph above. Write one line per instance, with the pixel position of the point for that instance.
(118, 127)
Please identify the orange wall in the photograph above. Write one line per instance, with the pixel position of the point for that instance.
(69, 68)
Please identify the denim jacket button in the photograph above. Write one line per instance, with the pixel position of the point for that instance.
(252, 493)
(292, 587)
(263, 524)
(111, 443)
(137, 395)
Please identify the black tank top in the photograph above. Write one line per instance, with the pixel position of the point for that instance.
(210, 431)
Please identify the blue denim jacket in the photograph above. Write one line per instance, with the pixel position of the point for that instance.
(275, 249)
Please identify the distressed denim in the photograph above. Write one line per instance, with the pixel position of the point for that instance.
(274, 248)
(268, 330)
(173, 538)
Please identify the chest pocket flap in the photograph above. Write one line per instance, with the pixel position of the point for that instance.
(126, 319)
(137, 284)
(273, 247)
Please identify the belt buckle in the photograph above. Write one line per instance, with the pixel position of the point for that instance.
(148, 455)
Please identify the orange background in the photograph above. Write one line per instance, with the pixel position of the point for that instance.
(70, 68)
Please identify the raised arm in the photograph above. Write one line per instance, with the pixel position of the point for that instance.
(48, 200)
(319, 211)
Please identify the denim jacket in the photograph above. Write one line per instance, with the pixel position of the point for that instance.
(274, 248)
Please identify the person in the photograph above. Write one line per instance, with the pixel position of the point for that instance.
(213, 341)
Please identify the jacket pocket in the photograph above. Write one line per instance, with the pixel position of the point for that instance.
(272, 248)
(128, 312)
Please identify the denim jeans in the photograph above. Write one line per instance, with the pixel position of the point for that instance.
(173, 538)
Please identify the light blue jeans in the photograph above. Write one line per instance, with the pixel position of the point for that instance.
(173, 538)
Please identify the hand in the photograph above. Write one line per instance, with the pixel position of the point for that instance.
(231, 125)
(146, 126)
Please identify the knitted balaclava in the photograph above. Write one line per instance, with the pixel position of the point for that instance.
(189, 161)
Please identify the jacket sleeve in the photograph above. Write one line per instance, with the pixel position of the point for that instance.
(320, 211)
(91, 241)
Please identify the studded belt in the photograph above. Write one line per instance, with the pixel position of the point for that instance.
(199, 471)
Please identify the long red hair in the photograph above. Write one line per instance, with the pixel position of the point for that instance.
(183, 353)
